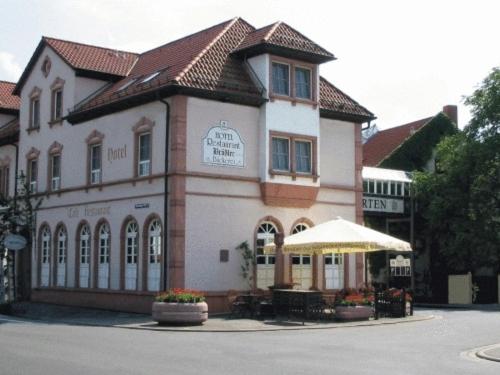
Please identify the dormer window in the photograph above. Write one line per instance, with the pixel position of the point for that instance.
(281, 79)
(293, 80)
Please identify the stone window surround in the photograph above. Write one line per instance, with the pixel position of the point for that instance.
(292, 65)
(54, 150)
(39, 260)
(46, 65)
(55, 253)
(145, 249)
(292, 137)
(34, 95)
(123, 250)
(57, 85)
(144, 125)
(94, 138)
(95, 257)
(33, 154)
(78, 233)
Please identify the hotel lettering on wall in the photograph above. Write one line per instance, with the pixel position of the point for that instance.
(373, 204)
(223, 146)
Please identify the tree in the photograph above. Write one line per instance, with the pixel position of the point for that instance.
(17, 216)
(461, 200)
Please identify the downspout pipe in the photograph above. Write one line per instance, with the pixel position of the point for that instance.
(165, 200)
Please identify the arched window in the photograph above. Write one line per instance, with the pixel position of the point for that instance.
(299, 228)
(154, 255)
(85, 257)
(265, 263)
(45, 257)
(61, 257)
(103, 257)
(131, 253)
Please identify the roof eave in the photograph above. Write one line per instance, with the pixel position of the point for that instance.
(163, 92)
(97, 75)
(9, 111)
(262, 48)
(9, 139)
(335, 115)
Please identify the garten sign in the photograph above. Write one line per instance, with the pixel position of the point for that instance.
(224, 147)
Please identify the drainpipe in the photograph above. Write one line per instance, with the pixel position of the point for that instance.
(165, 201)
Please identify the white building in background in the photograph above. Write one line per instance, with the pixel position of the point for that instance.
(257, 143)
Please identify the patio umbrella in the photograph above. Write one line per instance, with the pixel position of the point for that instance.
(338, 236)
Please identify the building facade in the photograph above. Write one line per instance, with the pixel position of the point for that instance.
(154, 167)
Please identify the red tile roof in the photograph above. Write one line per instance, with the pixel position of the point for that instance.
(337, 103)
(8, 101)
(385, 142)
(86, 57)
(198, 61)
(282, 36)
(203, 63)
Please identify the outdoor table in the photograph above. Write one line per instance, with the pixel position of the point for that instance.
(295, 302)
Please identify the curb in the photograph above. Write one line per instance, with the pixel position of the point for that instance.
(271, 329)
(371, 323)
(482, 353)
(486, 307)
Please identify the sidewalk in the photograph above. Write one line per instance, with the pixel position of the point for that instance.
(54, 314)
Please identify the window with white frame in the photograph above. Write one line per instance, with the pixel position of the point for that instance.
(265, 235)
(95, 163)
(281, 78)
(61, 246)
(132, 243)
(33, 175)
(35, 113)
(104, 244)
(45, 246)
(55, 175)
(57, 110)
(144, 154)
(85, 245)
(154, 242)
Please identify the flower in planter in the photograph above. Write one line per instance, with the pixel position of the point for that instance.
(178, 295)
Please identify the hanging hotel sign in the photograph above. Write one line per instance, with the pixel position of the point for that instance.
(14, 242)
(224, 147)
(375, 204)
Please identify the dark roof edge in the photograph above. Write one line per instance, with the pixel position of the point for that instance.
(10, 139)
(334, 115)
(150, 96)
(265, 47)
(9, 111)
(97, 75)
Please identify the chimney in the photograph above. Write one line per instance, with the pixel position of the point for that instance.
(451, 112)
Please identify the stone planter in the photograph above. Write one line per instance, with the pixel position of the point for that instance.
(353, 312)
(180, 313)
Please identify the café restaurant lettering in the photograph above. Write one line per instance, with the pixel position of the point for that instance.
(223, 146)
(88, 211)
(383, 205)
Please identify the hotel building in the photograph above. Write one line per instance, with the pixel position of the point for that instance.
(154, 167)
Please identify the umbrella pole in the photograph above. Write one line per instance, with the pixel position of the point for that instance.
(279, 267)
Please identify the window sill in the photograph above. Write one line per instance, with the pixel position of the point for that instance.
(34, 129)
(55, 122)
(293, 100)
(294, 175)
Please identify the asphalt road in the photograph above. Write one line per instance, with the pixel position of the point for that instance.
(429, 347)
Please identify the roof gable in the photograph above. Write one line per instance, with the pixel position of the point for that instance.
(283, 40)
(383, 143)
(9, 103)
(103, 63)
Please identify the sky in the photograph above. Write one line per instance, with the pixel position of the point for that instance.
(403, 60)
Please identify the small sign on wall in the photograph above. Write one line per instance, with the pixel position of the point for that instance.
(223, 146)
